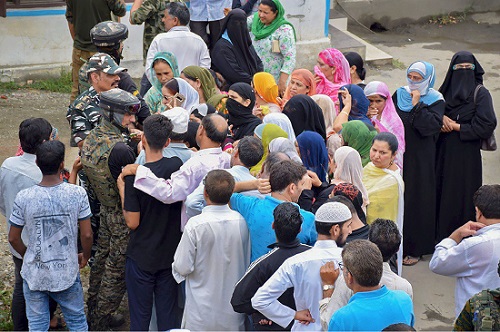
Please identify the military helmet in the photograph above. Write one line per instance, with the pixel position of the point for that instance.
(108, 33)
(119, 101)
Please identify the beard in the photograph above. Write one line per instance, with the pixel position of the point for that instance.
(341, 240)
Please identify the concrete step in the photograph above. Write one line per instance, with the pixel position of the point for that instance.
(338, 20)
(346, 41)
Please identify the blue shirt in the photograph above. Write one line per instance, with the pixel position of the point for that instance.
(16, 174)
(208, 10)
(373, 311)
(258, 214)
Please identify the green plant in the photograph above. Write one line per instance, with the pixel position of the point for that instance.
(59, 84)
(5, 310)
(451, 18)
(396, 63)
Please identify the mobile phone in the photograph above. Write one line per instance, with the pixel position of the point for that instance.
(179, 98)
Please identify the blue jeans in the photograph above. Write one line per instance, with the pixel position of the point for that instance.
(142, 286)
(70, 300)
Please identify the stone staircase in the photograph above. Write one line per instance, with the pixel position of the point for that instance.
(345, 41)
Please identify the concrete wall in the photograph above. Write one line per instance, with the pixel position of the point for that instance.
(391, 13)
(35, 42)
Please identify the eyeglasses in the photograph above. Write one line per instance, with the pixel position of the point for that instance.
(464, 66)
(342, 266)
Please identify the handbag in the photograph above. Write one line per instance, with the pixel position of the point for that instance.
(489, 144)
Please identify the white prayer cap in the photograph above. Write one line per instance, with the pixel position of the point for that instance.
(179, 118)
(333, 213)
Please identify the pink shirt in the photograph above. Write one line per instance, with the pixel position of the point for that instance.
(184, 181)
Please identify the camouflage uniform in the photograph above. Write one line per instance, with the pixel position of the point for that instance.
(480, 313)
(83, 115)
(107, 275)
(150, 13)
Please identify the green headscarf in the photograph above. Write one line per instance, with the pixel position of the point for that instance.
(172, 62)
(261, 31)
(357, 135)
(154, 96)
(217, 102)
(207, 80)
(270, 132)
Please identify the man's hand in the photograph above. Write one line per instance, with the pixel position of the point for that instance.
(77, 165)
(304, 317)
(130, 169)
(82, 260)
(264, 186)
(226, 11)
(265, 322)
(329, 273)
(120, 183)
(468, 229)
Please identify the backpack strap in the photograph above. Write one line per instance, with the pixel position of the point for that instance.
(476, 91)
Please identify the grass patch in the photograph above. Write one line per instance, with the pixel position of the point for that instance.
(5, 309)
(396, 63)
(60, 84)
(451, 18)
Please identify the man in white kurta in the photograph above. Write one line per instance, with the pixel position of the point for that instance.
(333, 224)
(213, 254)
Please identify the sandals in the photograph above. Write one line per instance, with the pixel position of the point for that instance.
(410, 260)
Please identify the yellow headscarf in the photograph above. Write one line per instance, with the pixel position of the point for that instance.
(266, 87)
(270, 132)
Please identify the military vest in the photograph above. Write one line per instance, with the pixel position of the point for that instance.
(485, 307)
(95, 155)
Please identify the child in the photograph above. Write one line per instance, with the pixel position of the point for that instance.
(51, 212)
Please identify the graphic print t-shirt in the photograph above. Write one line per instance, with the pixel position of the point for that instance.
(50, 217)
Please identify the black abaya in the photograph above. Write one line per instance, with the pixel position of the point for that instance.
(422, 126)
(459, 166)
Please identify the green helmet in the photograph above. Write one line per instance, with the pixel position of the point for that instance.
(108, 34)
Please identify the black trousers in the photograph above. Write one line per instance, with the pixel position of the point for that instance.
(200, 28)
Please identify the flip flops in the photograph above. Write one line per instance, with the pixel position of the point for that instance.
(410, 260)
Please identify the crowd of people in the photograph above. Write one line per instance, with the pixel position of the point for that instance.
(234, 191)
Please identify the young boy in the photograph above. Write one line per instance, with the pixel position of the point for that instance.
(51, 212)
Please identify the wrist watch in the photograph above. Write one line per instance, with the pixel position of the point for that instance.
(328, 287)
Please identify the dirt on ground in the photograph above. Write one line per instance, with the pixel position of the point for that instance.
(472, 34)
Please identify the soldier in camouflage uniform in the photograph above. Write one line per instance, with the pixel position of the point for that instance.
(481, 312)
(104, 153)
(81, 17)
(149, 12)
(108, 37)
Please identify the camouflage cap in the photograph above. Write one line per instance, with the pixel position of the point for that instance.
(108, 33)
(119, 101)
(105, 63)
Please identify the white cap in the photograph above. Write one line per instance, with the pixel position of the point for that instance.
(179, 118)
(333, 213)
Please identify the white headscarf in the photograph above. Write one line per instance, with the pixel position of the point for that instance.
(192, 97)
(285, 146)
(350, 169)
(283, 122)
(328, 107)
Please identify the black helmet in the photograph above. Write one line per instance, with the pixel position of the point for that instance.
(108, 34)
(119, 101)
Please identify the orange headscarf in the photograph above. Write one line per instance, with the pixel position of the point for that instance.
(266, 87)
(306, 77)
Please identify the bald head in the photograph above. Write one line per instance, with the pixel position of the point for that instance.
(215, 127)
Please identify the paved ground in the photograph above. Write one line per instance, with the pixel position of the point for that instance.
(433, 295)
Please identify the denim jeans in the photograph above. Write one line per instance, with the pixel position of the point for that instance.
(70, 300)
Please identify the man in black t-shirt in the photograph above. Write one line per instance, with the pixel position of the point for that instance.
(155, 234)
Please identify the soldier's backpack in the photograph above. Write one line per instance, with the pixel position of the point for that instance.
(485, 307)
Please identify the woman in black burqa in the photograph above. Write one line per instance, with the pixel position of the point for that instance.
(233, 55)
(239, 106)
(469, 118)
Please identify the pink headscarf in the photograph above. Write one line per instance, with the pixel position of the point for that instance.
(342, 76)
(390, 120)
